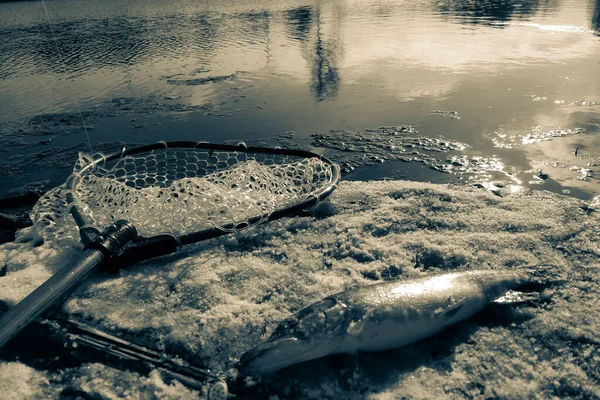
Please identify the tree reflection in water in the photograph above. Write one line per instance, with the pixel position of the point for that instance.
(486, 11)
(321, 49)
(299, 22)
(596, 16)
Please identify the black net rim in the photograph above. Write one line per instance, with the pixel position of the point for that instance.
(81, 218)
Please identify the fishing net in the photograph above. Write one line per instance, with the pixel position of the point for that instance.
(178, 191)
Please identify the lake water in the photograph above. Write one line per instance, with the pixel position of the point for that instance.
(497, 92)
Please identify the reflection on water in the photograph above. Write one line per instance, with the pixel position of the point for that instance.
(76, 46)
(252, 70)
(320, 49)
(596, 17)
(325, 75)
(485, 11)
(299, 22)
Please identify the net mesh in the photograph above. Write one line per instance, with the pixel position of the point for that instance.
(178, 191)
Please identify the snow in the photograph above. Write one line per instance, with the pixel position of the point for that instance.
(18, 381)
(212, 301)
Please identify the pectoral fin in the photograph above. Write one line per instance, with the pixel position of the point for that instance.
(449, 309)
(452, 309)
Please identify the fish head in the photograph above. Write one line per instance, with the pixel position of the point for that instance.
(313, 332)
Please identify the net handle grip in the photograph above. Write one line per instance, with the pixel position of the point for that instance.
(58, 287)
(55, 289)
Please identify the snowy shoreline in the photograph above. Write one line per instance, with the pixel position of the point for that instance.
(215, 300)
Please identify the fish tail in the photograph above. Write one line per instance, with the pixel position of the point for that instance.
(539, 276)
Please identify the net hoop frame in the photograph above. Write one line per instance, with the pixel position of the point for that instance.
(81, 217)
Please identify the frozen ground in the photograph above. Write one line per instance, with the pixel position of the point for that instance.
(215, 300)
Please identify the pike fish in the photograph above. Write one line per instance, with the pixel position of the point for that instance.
(380, 317)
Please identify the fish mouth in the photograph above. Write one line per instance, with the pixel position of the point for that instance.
(273, 355)
(313, 332)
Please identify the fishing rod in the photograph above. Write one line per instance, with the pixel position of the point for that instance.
(71, 342)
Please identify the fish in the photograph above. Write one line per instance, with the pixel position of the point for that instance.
(381, 317)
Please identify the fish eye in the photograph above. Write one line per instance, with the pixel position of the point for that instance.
(289, 323)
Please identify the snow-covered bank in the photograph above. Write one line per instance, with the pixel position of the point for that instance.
(215, 300)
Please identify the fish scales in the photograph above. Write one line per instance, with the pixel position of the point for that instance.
(379, 317)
